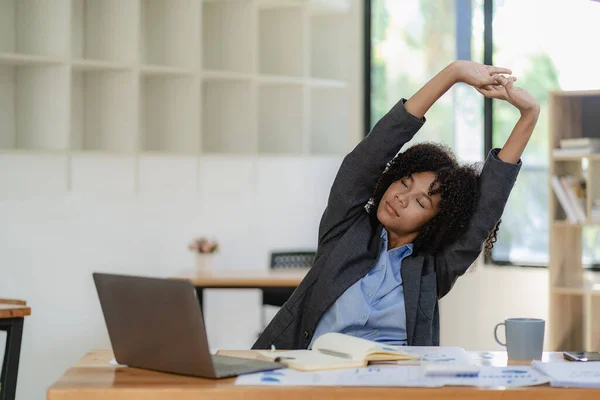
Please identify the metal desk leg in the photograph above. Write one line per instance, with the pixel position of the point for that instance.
(10, 367)
(200, 295)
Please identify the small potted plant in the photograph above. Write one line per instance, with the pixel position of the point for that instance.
(204, 250)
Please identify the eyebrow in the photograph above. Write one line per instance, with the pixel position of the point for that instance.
(423, 193)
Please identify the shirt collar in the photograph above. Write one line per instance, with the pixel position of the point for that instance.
(407, 248)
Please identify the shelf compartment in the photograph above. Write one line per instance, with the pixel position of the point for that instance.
(104, 30)
(329, 59)
(103, 174)
(228, 117)
(33, 107)
(170, 32)
(281, 119)
(329, 121)
(167, 175)
(282, 41)
(103, 115)
(38, 27)
(168, 115)
(228, 36)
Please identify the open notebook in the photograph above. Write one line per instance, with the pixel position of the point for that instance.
(337, 350)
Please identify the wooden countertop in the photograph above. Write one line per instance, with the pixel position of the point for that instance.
(93, 378)
(14, 311)
(245, 279)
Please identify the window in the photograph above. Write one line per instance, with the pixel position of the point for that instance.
(556, 51)
(411, 40)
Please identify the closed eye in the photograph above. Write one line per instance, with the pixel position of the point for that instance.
(420, 203)
(404, 181)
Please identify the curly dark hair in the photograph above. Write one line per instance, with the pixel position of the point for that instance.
(458, 188)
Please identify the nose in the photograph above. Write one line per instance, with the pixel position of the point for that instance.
(402, 201)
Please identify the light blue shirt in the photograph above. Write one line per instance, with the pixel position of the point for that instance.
(372, 308)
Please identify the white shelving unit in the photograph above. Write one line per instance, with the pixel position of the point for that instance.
(175, 77)
(34, 107)
(329, 120)
(169, 114)
(281, 121)
(229, 32)
(103, 111)
(170, 33)
(229, 116)
(34, 27)
(282, 41)
(104, 30)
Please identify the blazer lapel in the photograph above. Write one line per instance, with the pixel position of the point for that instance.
(412, 268)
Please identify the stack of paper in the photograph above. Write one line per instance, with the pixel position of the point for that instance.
(571, 374)
(396, 376)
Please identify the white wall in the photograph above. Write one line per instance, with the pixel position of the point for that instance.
(52, 241)
(488, 295)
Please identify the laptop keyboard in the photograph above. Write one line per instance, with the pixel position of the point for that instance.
(230, 366)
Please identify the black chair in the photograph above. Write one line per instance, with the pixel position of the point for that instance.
(284, 260)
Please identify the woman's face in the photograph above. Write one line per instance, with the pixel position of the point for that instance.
(406, 205)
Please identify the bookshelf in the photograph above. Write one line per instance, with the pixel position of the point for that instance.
(122, 78)
(574, 316)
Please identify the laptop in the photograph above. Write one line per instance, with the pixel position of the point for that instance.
(157, 324)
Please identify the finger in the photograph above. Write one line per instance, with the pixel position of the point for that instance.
(502, 80)
(490, 80)
(483, 91)
(491, 94)
(509, 83)
(495, 93)
(499, 70)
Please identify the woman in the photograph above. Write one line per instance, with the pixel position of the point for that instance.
(393, 241)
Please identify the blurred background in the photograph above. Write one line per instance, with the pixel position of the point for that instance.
(128, 128)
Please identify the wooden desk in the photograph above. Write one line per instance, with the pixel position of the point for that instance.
(14, 311)
(260, 279)
(93, 378)
(12, 317)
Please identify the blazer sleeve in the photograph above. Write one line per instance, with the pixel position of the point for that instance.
(362, 167)
(496, 182)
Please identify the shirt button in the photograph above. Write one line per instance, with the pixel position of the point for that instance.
(370, 294)
(364, 315)
(306, 335)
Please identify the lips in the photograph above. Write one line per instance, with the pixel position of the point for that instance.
(391, 209)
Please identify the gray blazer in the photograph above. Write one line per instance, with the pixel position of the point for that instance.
(349, 242)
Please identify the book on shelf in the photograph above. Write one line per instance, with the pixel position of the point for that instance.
(572, 204)
(583, 151)
(579, 143)
(578, 146)
(575, 189)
